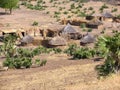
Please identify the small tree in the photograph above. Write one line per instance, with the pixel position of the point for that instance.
(8, 4)
(109, 48)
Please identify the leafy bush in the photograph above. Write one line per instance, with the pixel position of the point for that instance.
(9, 48)
(24, 3)
(19, 57)
(8, 4)
(9, 63)
(40, 50)
(80, 52)
(71, 49)
(90, 8)
(57, 50)
(18, 62)
(110, 48)
(114, 10)
(43, 62)
(24, 52)
(35, 23)
(40, 63)
(104, 6)
(83, 53)
(89, 30)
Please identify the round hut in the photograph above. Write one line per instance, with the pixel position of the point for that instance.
(54, 30)
(27, 40)
(57, 41)
(95, 23)
(107, 17)
(95, 15)
(70, 32)
(88, 38)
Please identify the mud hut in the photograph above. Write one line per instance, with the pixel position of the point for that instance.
(19, 32)
(30, 31)
(74, 21)
(95, 15)
(57, 41)
(95, 23)
(27, 40)
(70, 32)
(78, 21)
(117, 2)
(88, 38)
(53, 30)
(107, 17)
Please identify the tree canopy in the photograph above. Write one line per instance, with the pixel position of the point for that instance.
(8, 4)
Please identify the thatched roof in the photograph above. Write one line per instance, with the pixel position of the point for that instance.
(88, 38)
(57, 41)
(69, 29)
(12, 30)
(97, 15)
(95, 22)
(27, 39)
(107, 15)
(55, 28)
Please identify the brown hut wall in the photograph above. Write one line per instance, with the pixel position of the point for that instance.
(92, 26)
(108, 19)
(89, 17)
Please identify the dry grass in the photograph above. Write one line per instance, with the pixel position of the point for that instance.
(70, 77)
(76, 77)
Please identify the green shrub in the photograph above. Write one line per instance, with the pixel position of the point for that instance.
(25, 52)
(9, 48)
(30, 6)
(51, 1)
(20, 57)
(90, 8)
(9, 63)
(38, 62)
(35, 23)
(71, 49)
(83, 53)
(43, 62)
(107, 68)
(82, 25)
(24, 3)
(65, 12)
(72, 6)
(40, 50)
(114, 10)
(110, 48)
(104, 6)
(18, 62)
(89, 30)
(57, 50)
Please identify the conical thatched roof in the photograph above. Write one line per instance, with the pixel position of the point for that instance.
(57, 41)
(69, 29)
(97, 15)
(55, 27)
(107, 15)
(95, 22)
(88, 38)
(27, 39)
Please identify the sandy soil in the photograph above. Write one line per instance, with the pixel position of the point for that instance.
(60, 73)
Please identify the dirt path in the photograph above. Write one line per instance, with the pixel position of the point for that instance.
(74, 77)
(55, 79)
